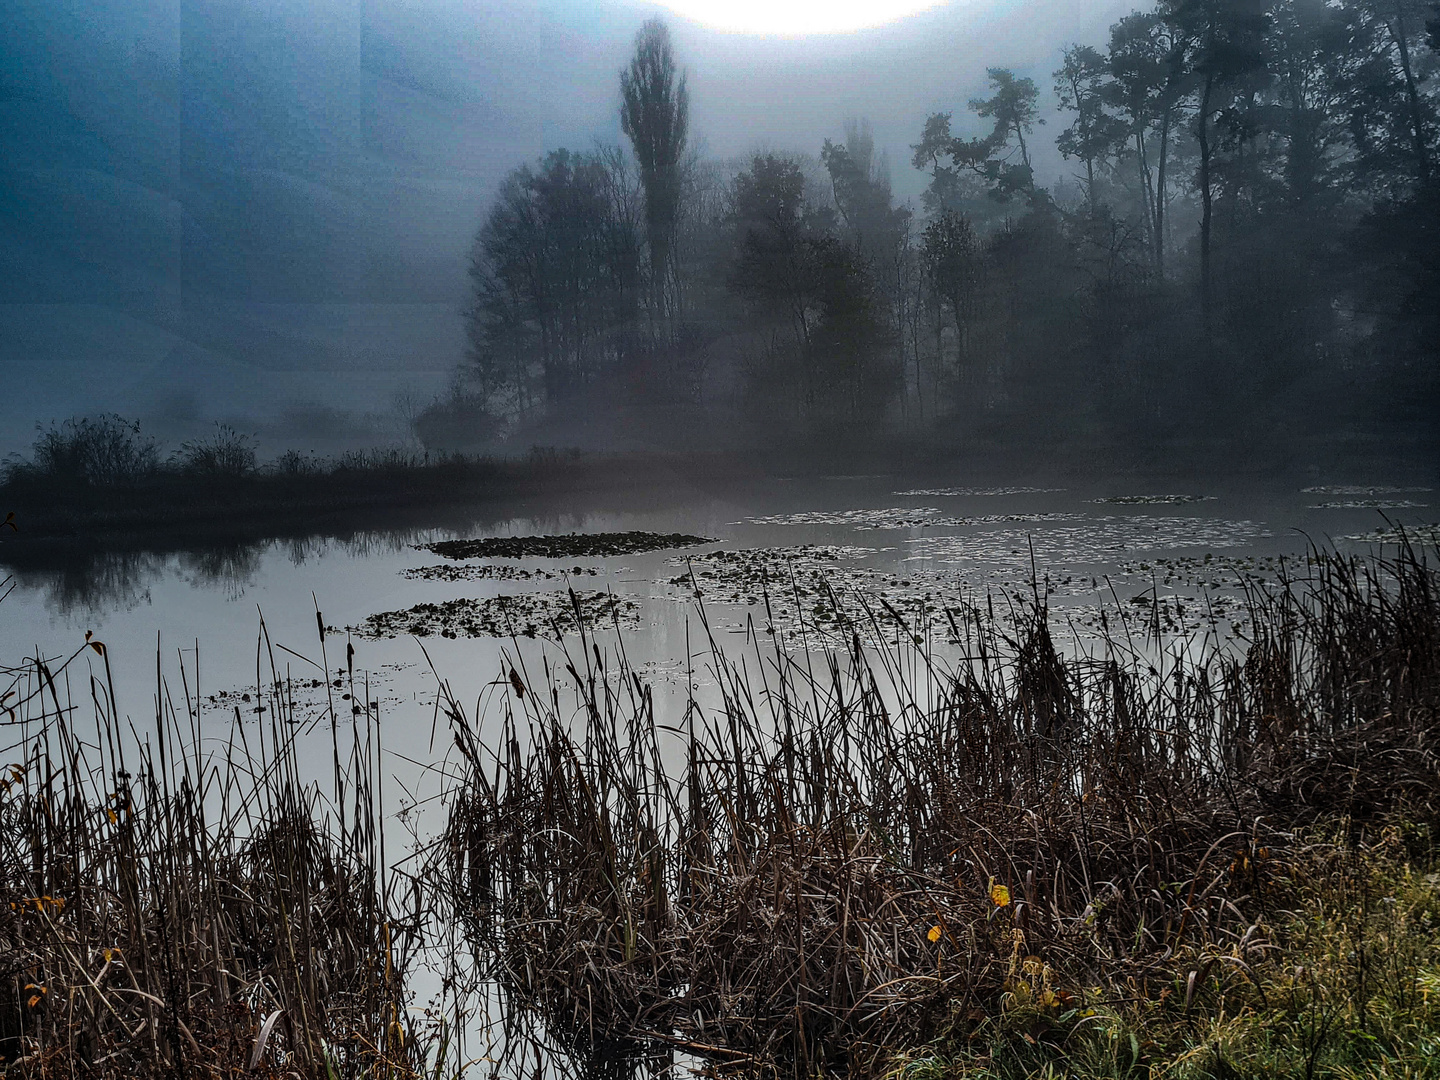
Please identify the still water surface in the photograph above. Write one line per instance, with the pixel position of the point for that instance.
(1170, 556)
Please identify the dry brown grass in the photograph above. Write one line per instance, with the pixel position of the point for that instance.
(166, 911)
(852, 857)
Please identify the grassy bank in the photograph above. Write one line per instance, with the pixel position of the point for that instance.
(1214, 863)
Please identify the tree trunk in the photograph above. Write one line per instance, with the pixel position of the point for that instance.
(1160, 196)
(1412, 94)
(1206, 201)
(1147, 193)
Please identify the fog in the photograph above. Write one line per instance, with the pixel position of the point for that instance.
(225, 209)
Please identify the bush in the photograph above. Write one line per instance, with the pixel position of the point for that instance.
(294, 463)
(95, 450)
(226, 453)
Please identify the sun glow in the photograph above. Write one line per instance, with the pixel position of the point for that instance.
(794, 17)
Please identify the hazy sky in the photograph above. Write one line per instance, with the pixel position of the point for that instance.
(797, 16)
(229, 204)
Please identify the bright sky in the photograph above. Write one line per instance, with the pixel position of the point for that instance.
(797, 16)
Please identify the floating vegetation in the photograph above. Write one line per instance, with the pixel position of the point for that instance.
(1418, 535)
(541, 614)
(814, 592)
(1011, 519)
(1148, 616)
(1343, 489)
(494, 572)
(913, 517)
(772, 558)
(1155, 500)
(569, 546)
(802, 584)
(307, 701)
(1209, 571)
(975, 492)
(1369, 504)
(1087, 544)
(925, 517)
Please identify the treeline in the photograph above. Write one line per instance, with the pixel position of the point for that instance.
(1250, 240)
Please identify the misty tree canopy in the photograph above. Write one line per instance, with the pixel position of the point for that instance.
(1249, 240)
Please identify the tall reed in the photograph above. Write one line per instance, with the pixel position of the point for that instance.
(846, 855)
(171, 909)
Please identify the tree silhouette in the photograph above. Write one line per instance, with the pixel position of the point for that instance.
(655, 115)
(1080, 85)
(1225, 43)
(1014, 110)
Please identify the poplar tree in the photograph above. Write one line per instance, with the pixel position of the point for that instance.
(655, 116)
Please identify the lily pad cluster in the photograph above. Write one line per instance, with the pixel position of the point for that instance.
(924, 517)
(1369, 504)
(539, 614)
(1362, 489)
(1154, 500)
(568, 546)
(974, 492)
(495, 572)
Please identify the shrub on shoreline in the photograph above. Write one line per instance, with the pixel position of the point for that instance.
(90, 450)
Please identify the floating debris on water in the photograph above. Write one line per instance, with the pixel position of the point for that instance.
(1091, 543)
(1155, 500)
(538, 614)
(1006, 519)
(569, 546)
(1350, 489)
(897, 517)
(798, 554)
(977, 492)
(925, 517)
(495, 572)
(1370, 504)
(813, 592)
(1423, 535)
(1210, 571)
(308, 700)
(741, 577)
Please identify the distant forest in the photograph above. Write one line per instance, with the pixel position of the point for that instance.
(1249, 246)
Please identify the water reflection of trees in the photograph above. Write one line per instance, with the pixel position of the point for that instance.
(96, 584)
(231, 568)
(84, 582)
(93, 583)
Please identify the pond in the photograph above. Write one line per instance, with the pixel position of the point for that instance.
(798, 557)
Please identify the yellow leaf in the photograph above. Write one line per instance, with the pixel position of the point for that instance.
(34, 1000)
(934, 934)
(114, 817)
(999, 895)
